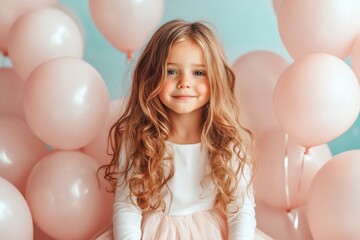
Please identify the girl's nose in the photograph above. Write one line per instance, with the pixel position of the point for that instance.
(183, 83)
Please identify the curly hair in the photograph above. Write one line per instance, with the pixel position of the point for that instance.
(144, 127)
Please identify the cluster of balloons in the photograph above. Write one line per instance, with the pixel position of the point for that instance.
(294, 110)
(52, 98)
(55, 116)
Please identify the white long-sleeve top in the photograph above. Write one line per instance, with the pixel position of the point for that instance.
(191, 192)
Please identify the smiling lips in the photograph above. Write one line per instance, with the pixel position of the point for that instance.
(183, 97)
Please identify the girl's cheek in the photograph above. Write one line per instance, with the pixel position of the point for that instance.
(165, 88)
(204, 88)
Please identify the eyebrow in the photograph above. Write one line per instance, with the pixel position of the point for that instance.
(195, 65)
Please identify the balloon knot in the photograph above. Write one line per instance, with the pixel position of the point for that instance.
(5, 53)
(129, 56)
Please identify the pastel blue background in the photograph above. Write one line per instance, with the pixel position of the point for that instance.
(243, 26)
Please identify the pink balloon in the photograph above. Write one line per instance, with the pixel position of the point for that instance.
(98, 147)
(256, 75)
(20, 150)
(41, 35)
(317, 99)
(69, 11)
(11, 10)
(15, 216)
(133, 21)
(282, 225)
(309, 26)
(66, 102)
(333, 202)
(11, 88)
(40, 235)
(65, 198)
(284, 184)
(355, 57)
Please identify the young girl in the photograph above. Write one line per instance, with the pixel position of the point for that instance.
(181, 167)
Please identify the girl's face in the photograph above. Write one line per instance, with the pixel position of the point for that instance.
(186, 88)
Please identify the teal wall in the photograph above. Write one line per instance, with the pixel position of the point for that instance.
(243, 26)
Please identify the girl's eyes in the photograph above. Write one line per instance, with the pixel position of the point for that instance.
(199, 73)
(195, 73)
(171, 72)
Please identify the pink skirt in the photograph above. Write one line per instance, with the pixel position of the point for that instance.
(211, 224)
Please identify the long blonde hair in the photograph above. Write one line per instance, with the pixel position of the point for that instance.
(144, 127)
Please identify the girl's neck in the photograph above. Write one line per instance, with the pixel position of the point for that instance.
(185, 129)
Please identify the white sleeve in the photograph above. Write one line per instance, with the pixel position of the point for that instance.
(242, 224)
(127, 217)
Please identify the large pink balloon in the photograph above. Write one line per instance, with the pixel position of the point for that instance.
(20, 150)
(66, 102)
(333, 202)
(256, 75)
(310, 26)
(317, 99)
(71, 12)
(355, 57)
(98, 147)
(281, 182)
(126, 23)
(65, 198)
(11, 90)
(40, 235)
(41, 35)
(11, 10)
(282, 225)
(15, 217)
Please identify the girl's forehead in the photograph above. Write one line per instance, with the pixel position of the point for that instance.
(186, 49)
(185, 45)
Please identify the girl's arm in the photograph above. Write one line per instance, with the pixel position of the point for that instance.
(127, 217)
(242, 224)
